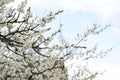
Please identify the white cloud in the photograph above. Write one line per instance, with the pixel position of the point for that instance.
(115, 31)
(44, 4)
(105, 9)
(111, 71)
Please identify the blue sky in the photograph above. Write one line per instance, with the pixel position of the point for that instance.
(78, 16)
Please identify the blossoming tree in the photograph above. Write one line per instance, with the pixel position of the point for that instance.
(28, 50)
